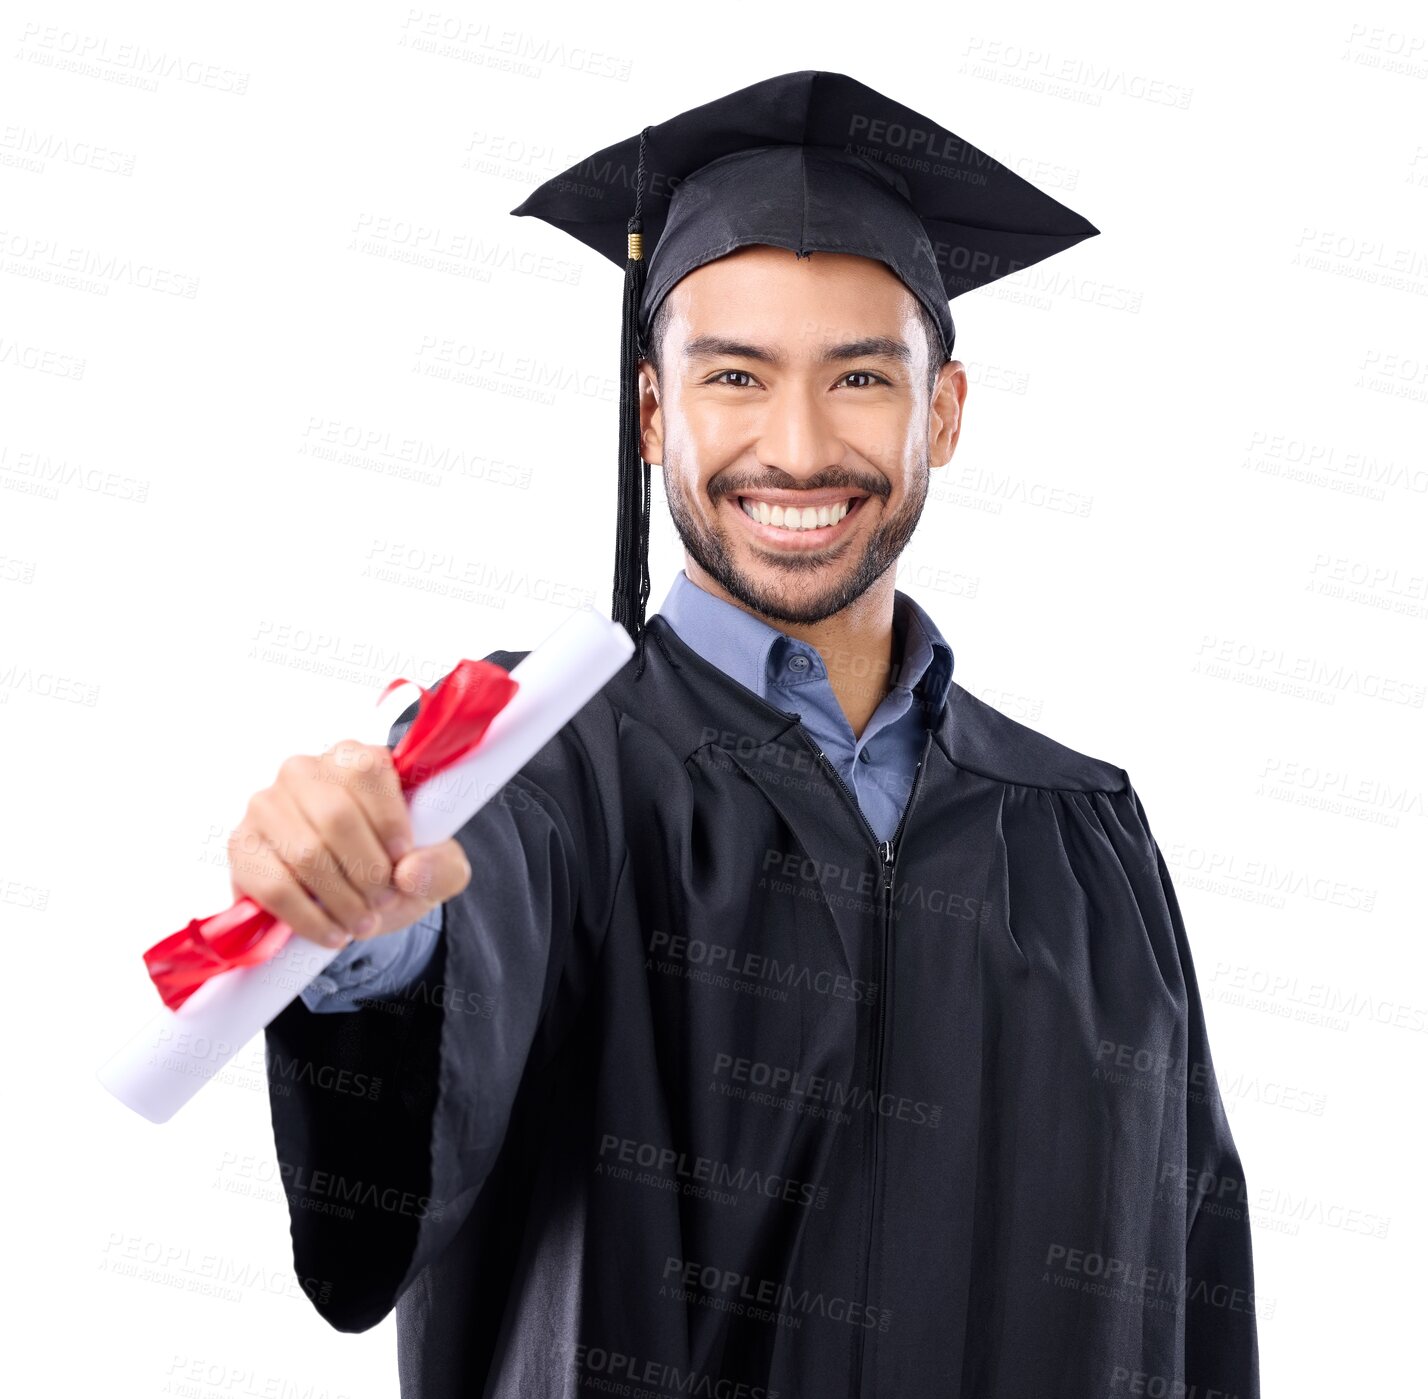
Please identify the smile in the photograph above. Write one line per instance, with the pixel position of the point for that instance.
(805, 526)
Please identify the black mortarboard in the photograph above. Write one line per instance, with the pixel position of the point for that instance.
(810, 161)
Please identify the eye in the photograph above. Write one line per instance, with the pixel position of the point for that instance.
(723, 377)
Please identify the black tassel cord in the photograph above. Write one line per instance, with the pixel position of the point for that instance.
(632, 522)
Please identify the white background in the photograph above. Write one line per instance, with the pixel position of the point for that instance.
(1230, 384)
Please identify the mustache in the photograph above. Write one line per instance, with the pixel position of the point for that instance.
(781, 481)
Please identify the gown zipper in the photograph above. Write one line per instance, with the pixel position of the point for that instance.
(887, 859)
(887, 851)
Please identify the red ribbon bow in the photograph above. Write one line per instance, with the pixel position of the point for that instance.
(450, 722)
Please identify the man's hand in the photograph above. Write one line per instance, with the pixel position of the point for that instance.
(327, 849)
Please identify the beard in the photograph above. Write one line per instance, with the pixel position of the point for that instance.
(709, 547)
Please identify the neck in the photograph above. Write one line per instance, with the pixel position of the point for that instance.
(857, 644)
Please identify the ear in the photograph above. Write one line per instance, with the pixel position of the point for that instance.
(945, 417)
(651, 416)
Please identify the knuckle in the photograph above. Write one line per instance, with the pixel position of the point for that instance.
(460, 867)
(377, 874)
(349, 755)
(250, 852)
(340, 823)
(294, 768)
(263, 807)
(378, 779)
(394, 830)
(288, 902)
(343, 902)
(340, 909)
(299, 852)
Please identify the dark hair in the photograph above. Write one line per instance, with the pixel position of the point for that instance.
(937, 356)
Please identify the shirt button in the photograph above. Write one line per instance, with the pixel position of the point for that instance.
(863, 756)
(799, 662)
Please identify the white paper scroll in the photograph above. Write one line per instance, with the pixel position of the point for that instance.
(177, 1052)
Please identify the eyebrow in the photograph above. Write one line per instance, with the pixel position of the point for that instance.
(870, 347)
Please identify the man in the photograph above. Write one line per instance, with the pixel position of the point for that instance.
(794, 1023)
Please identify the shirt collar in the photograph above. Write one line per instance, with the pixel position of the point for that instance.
(752, 652)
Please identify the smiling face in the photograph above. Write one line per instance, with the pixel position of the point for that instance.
(794, 425)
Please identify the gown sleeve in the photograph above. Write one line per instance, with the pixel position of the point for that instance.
(388, 1120)
(1221, 1346)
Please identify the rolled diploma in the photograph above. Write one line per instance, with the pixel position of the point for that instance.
(177, 1052)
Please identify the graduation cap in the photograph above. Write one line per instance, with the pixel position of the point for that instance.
(809, 161)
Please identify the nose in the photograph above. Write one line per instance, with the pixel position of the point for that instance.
(797, 434)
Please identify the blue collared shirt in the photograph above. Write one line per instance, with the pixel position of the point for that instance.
(877, 765)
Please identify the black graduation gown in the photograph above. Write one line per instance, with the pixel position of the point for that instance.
(709, 1093)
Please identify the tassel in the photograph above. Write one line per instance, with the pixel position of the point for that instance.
(632, 520)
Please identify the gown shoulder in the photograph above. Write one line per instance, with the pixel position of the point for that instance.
(980, 738)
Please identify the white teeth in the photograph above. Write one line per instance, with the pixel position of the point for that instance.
(810, 517)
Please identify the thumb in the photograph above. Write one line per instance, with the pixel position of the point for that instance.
(434, 873)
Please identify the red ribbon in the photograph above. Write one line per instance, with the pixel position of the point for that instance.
(450, 722)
